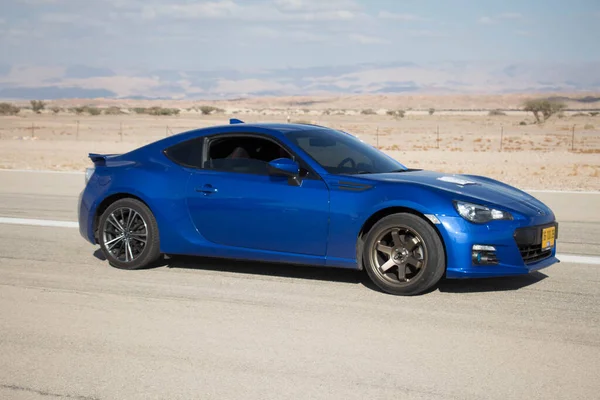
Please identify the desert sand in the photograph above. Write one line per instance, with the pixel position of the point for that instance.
(561, 154)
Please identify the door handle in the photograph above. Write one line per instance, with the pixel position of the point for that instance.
(207, 189)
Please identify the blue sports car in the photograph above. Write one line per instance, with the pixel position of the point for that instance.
(307, 194)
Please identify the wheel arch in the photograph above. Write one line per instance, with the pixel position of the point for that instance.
(384, 212)
(106, 202)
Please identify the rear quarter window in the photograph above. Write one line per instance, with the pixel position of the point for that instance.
(187, 154)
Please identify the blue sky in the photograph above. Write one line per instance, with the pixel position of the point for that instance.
(259, 34)
(213, 48)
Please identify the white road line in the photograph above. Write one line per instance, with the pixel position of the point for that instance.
(39, 171)
(38, 222)
(570, 258)
(576, 259)
(562, 191)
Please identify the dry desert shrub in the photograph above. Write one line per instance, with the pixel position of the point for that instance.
(160, 111)
(368, 111)
(9, 109)
(37, 106)
(93, 110)
(496, 113)
(113, 111)
(207, 110)
(157, 111)
(396, 113)
(545, 107)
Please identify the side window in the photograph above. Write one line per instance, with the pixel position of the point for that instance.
(335, 156)
(188, 153)
(243, 154)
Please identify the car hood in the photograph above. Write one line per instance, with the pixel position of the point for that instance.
(478, 189)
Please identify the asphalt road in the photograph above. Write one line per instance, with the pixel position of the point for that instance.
(73, 327)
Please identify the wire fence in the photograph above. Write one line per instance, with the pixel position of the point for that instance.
(581, 138)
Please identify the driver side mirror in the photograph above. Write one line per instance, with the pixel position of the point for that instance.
(284, 167)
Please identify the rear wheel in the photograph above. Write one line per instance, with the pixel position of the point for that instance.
(128, 234)
(404, 255)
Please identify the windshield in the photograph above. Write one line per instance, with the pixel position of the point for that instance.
(340, 153)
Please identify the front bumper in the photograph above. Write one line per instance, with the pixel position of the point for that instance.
(513, 240)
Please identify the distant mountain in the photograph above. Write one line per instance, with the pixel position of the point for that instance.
(53, 92)
(80, 81)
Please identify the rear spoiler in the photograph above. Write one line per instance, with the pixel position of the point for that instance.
(99, 160)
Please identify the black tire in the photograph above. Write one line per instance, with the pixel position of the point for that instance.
(423, 266)
(145, 253)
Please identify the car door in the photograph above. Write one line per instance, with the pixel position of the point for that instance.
(249, 208)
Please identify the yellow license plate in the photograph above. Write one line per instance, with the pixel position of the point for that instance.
(548, 236)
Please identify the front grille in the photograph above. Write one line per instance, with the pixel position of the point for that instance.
(529, 241)
(534, 253)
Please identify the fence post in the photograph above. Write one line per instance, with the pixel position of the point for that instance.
(501, 136)
(167, 131)
(573, 139)
(77, 132)
(438, 137)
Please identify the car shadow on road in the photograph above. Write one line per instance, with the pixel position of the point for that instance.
(267, 269)
(508, 283)
(342, 275)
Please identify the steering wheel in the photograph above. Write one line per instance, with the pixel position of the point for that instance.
(345, 160)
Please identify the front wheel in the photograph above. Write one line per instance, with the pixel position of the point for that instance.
(128, 234)
(404, 255)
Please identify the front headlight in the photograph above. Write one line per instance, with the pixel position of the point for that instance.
(479, 214)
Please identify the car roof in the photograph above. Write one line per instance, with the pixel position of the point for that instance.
(272, 128)
(264, 127)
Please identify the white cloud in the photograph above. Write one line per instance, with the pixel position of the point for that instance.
(264, 32)
(295, 35)
(523, 33)
(288, 10)
(307, 37)
(510, 15)
(206, 10)
(486, 21)
(425, 33)
(315, 5)
(366, 39)
(37, 2)
(399, 17)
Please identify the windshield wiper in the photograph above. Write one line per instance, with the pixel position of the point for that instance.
(386, 172)
(404, 170)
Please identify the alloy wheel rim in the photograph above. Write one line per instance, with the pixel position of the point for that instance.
(399, 255)
(125, 234)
